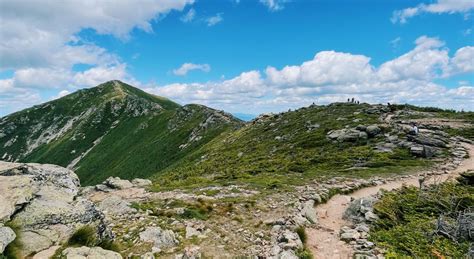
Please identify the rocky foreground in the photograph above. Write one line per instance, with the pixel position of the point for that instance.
(44, 205)
(43, 208)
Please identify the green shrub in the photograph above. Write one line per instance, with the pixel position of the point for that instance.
(84, 236)
(407, 220)
(14, 249)
(302, 234)
(304, 253)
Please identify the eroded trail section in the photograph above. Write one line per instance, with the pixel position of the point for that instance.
(323, 240)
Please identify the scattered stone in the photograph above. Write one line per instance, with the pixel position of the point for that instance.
(159, 237)
(90, 252)
(115, 206)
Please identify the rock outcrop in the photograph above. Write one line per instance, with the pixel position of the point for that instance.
(43, 201)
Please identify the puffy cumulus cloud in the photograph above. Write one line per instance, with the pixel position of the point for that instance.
(440, 6)
(186, 67)
(40, 43)
(463, 61)
(38, 32)
(238, 89)
(334, 76)
(427, 60)
(327, 67)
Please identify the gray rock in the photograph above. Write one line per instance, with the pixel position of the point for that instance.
(370, 216)
(90, 253)
(137, 182)
(358, 208)
(349, 234)
(43, 201)
(347, 135)
(117, 183)
(422, 151)
(191, 232)
(417, 151)
(429, 140)
(116, 206)
(6, 237)
(373, 130)
(309, 211)
(159, 237)
(287, 254)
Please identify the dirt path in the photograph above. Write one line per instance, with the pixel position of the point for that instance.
(324, 241)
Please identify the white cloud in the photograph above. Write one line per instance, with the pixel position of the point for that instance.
(189, 16)
(186, 67)
(274, 5)
(426, 61)
(327, 67)
(334, 76)
(213, 20)
(463, 61)
(33, 34)
(40, 43)
(440, 6)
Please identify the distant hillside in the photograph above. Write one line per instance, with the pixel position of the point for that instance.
(340, 139)
(112, 129)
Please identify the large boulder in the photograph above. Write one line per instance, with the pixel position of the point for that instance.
(43, 201)
(160, 238)
(90, 253)
(373, 130)
(347, 135)
(117, 183)
(428, 140)
(422, 151)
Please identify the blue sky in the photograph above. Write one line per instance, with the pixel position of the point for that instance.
(377, 51)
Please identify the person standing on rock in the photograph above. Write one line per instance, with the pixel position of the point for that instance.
(422, 180)
(415, 129)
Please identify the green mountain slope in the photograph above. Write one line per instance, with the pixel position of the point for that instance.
(113, 129)
(293, 147)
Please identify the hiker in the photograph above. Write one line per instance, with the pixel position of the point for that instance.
(422, 180)
(415, 129)
(352, 100)
(348, 100)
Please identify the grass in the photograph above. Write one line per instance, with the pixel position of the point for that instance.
(406, 227)
(84, 236)
(304, 252)
(282, 151)
(87, 236)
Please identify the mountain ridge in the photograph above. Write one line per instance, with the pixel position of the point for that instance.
(68, 131)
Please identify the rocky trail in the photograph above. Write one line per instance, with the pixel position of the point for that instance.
(323, 240)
